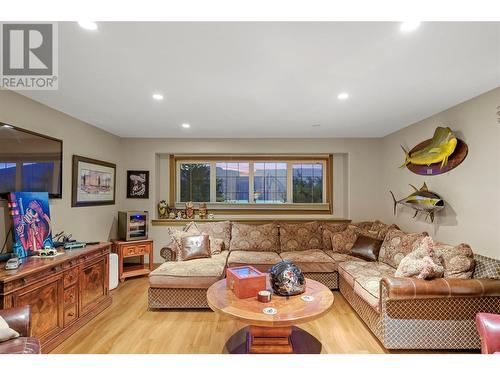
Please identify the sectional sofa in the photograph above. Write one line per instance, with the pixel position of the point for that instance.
(403, 313)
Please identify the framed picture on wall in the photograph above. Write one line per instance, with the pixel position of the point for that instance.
(138, 184)
(93, 182)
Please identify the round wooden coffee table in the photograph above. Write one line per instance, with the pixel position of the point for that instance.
(272, 333)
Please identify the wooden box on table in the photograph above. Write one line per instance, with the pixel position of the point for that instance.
(245, 281)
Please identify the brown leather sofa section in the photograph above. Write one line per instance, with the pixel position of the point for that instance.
(406, 288)
(19, 319)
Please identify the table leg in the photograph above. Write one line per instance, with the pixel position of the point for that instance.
(268, 340)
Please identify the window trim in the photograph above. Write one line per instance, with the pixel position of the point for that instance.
(252, 207)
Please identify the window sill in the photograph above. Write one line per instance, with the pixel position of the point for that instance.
(249, 220)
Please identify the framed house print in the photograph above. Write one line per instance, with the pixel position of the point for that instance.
(138, 184)
(93, 182)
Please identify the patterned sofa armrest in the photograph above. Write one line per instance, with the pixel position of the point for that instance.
(409, 288)
(168, 254)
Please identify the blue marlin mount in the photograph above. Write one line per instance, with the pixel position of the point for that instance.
(421, 200)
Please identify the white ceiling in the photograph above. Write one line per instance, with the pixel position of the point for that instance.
(269, 79)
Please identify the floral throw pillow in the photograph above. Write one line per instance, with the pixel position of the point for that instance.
(422, 262)
(458, 261)
(248, 237)
(216, 230)
(328, 230)
(342, 242)
(298, 237)
(398, 244)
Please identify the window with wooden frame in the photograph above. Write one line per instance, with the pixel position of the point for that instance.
(257, 183)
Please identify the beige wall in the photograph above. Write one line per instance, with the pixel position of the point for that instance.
(355, 188)
(471, 191)
(364, 171)
(85, 223)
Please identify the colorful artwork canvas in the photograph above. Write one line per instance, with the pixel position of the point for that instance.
(30, 214)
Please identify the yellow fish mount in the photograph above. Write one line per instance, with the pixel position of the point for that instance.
(442, 145)
(421, 200)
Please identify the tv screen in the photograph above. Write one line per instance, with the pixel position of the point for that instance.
(29, 162)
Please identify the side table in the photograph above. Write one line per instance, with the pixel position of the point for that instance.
(128, 249)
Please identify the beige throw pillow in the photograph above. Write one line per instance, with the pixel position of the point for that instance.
(421, 263)
(6, 333)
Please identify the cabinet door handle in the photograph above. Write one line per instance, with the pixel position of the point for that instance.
(24, 280)
(71, 314)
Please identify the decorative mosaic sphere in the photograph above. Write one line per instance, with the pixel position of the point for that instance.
(287, 279)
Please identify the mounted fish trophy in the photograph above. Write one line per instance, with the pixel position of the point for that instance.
(421, 200)
(435, 156)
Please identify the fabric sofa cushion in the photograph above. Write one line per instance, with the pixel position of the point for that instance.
(486, 268)
(216, 230)
(342, 242)
(213, 266)
(422, 262)
(397, 244)
(247, 237)
(364, 225)
(302, 236)
(364, 278)
(366, 248)
(378, 230)
(339, 257)
(262, 260)
(328, 230)
(310, 260)
(458, 261)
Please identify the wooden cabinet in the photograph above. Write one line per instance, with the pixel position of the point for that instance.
(45, 299)
(129, 249)
(64, 292)
(93, 284)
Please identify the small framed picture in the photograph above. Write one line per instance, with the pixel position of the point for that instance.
(93, 182)
(138, 184)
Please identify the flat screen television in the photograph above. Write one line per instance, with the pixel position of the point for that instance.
(29, 162)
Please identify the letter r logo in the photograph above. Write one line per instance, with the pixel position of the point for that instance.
(27, 49)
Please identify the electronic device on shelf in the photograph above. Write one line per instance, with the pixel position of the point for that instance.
(13, 263)
(133, 225)
(74, 245)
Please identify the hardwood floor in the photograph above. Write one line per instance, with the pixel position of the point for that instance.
(127, 326)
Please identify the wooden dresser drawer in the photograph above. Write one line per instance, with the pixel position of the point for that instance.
(141, 250)
(129, 250)
(70, 314)
(70, 277)
(70, 296)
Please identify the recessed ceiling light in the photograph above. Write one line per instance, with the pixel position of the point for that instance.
(88, 25)
(157, 96)
(186, 125)
(409, 26)
(343, 96)
(7, 126)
